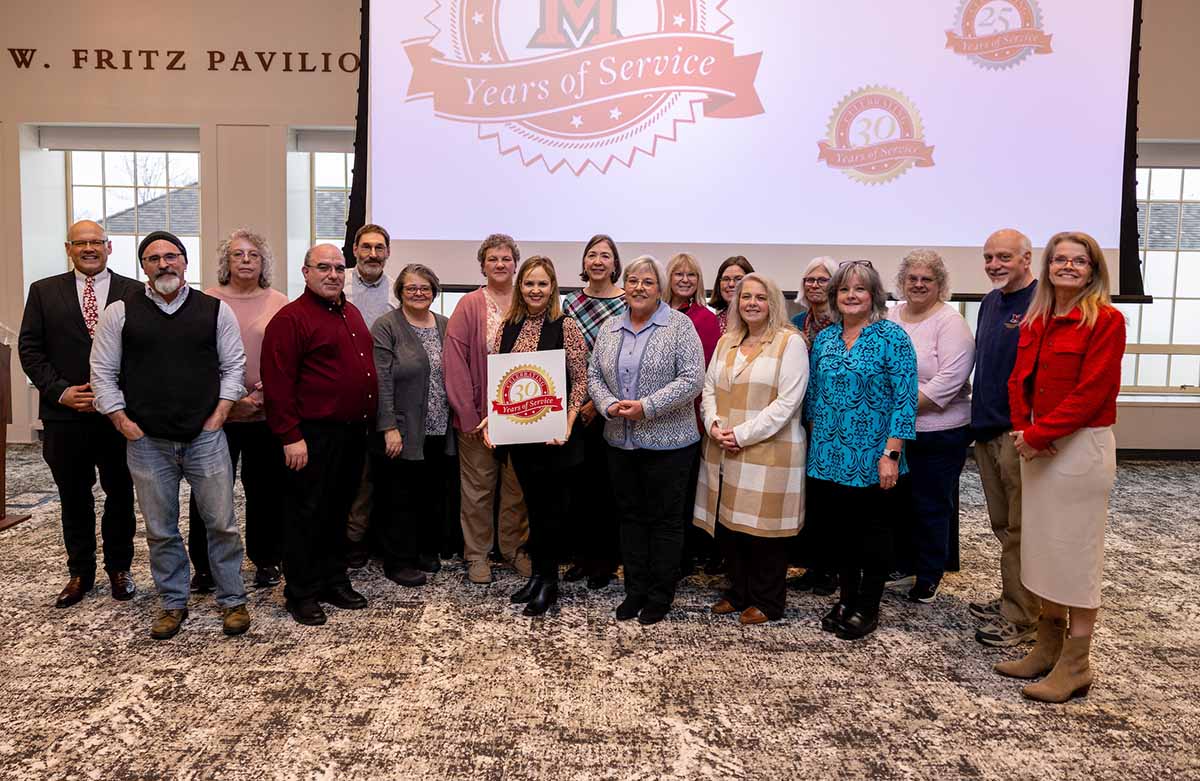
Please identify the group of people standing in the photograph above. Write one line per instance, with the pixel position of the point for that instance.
(354, 409)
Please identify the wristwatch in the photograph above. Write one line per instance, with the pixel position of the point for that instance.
(892, 454)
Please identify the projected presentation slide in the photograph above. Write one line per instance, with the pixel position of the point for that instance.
(739, 122)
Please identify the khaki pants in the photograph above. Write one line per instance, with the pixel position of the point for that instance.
(1000, 472)
(479, 468)
(360, 512)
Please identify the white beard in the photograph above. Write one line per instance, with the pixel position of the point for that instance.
(167, 284)
(999, 282)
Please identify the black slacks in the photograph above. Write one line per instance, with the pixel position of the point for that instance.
(757, 571)
(416, 494)
(593, 536)
(75, 451)
(650, 487)
(543, 478)
(316, 504)
(263, 470)
(856, 533)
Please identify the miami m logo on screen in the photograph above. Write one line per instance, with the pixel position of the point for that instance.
(586, 21)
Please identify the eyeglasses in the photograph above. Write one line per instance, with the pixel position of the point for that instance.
(731, 280)
(1080, 261)
(239, 254)
(920, 280)
(85, 243)
(417, 290)
(685, 275)
(325, 268)
(170, 257)
(818, 281)
(380, 249)
(641, 283)
(845, 263)
(602, 255)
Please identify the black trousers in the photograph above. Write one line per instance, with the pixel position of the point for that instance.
(593, 536)
(650, 487)
(757, 571)
(543, 480)
(263, 470)
(416, 493)
(75, 452)
(698, 545)
(856, 537)
(316, 504)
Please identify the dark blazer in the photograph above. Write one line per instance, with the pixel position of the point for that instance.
(54, 345)
(403, 370)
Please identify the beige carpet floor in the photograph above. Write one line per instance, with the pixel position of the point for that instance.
(449, 681)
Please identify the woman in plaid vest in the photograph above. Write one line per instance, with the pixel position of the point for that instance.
(752, 479)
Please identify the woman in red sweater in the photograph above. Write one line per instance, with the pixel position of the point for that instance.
(1063, 397)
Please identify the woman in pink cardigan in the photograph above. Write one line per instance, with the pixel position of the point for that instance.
(469, 334)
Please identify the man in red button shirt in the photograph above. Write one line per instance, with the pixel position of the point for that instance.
(319, 385)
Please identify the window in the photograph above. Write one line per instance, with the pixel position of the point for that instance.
(134, 193)
(332, 176)
(1163, 353)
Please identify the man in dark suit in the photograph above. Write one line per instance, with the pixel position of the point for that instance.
(56, 339)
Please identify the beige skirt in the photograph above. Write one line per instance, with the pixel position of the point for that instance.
(1064, 509)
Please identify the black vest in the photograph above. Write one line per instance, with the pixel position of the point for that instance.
(551, 338)
(170, 369)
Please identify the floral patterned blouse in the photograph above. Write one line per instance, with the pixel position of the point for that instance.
(573, 344)
(437, 413)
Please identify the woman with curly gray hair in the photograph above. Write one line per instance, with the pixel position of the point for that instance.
(945, 355)
(244, 273)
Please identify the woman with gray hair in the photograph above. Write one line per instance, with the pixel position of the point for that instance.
(244, 263)
(647, 366)
(814, 295)
(862, 402)
(945, 355)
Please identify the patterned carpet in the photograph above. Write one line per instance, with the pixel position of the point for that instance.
(449, 681)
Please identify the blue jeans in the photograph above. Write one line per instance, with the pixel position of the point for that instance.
(935, 461)
(157, 465)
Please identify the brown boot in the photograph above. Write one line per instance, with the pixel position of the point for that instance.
(1039, 661)
(1071, 676)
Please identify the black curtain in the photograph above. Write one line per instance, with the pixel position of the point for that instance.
(358, 188)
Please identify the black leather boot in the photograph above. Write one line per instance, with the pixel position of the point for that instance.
(526, 592)
(864, 619)
(547, 595)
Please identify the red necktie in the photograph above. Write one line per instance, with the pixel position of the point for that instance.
(91, 313)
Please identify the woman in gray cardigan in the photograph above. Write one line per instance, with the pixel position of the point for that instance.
(646, 370)
(412, 450)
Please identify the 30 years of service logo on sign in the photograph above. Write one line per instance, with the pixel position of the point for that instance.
(578, 84)
(875, 135)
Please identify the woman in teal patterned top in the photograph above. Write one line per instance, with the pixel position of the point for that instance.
(593, 539)
(862, 403)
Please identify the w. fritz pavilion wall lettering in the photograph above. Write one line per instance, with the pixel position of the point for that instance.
(234, 61)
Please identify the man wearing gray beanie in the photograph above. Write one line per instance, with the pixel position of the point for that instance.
(166, 368)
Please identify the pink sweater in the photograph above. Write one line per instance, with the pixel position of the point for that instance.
(253, 312)
(464, 358)
(945, 355)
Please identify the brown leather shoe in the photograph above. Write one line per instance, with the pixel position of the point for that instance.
(73, 592)
(123, 588)
(235, 620)
(753, 615)
(724, 608)
(167, 624)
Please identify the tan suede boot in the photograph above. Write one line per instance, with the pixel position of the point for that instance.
(1039, 661)
(1071, 676)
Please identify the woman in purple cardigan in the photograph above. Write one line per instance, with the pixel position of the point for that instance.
(471, 330)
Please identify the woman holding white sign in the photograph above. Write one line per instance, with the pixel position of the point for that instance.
(646, 368)
(535, 323)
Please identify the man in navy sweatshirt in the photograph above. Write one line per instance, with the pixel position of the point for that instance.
(1012, 618)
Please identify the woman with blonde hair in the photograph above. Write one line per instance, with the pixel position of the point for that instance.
(535, 322)
(685, 293)
(752, 479)
(1063, 397)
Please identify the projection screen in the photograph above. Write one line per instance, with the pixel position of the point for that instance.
(775, 129)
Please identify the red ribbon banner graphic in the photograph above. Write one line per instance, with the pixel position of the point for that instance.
(659, 62)
(998, 42)
(529, 406)
(885, 152)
